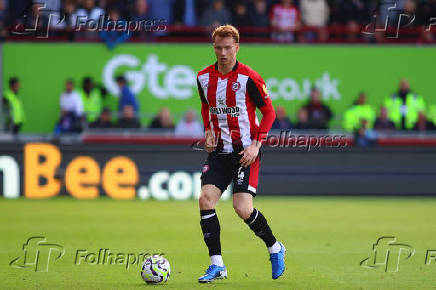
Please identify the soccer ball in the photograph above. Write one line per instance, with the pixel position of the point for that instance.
(155, 270)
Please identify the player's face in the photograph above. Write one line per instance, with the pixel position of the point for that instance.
(225, 49)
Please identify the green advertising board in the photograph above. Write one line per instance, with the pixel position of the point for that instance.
(165, 74)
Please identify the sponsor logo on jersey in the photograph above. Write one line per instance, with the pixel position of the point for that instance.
(205, 168)
(234, 111)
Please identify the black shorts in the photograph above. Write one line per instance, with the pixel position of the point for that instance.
(222, 168)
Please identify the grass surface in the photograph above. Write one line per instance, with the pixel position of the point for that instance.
(326, 238)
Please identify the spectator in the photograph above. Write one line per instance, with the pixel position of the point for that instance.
(128, 119)
(89, 12)
(163, 120)
(424, 12)
(282, 121)
(365, 136)
(70, 100)
(360, 110)
(302, 120)
(49, 5)
(259, 14)
(162, 10)
(403, 107)
(382, 123)
(189, 126)
(91, 99)
(111, 35)
(64, 19)
(354, 14)
(240, 15)
(104, 120)
(48, 9)
(142, 14)
(216, 15)
(186, 11)
(36, 18)
(285, 19)
(315, 13)
(319, 114)
(356, 11)
(68, 123)
(126, 95)
(17, 10)
(423, 124)
(141, 11)
(14, 106)
(3, 20)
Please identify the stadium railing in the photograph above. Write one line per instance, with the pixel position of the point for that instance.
(327, 34)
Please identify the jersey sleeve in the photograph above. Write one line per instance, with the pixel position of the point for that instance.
(204, 107)
(201, 92)
(258, 93)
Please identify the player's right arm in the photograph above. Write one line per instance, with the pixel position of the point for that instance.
(209, 137)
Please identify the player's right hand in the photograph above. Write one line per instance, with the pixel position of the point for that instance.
(209, 143)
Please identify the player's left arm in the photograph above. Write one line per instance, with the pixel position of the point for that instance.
(256, 90)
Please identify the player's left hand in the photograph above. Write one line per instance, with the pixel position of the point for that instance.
(249, 154)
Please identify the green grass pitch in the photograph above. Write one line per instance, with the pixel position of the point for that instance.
(326, 239)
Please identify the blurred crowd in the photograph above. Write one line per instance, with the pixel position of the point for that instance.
(281, 20)
(86, 107)
(405, 110)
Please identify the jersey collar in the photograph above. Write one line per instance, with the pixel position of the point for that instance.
(235, 67)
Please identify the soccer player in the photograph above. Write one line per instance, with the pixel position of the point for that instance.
(230, 92)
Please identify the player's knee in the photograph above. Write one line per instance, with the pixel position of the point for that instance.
(206, 202)
(242, 210)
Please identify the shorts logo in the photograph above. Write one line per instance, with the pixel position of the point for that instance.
(205, 168)
(240, 176)
(236, 86)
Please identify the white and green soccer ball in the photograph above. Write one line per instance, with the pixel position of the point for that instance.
(155, 270)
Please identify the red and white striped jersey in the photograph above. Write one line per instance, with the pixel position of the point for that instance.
(229, 106)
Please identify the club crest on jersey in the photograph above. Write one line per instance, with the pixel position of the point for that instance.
(236, 86)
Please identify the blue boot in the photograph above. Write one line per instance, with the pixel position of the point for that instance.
(212, 273)
(278, 262)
